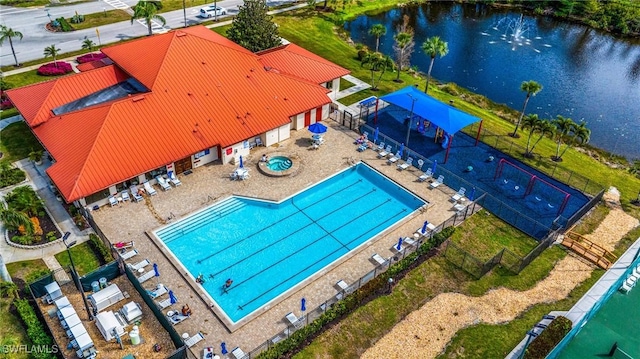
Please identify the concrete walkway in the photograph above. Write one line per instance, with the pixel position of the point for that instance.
(359, 86)
(53, 264)
(7, 121)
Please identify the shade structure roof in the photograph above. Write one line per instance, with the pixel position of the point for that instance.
(447, 117)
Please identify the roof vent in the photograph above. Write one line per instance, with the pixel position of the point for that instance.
(181, 34)
(267, 68)
(137, 98)
(252, 70)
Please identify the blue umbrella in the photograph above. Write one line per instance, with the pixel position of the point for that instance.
(401, 150)
(318, 128)
(241, 164)
(433, 168)
(303, 304)
(424, 227)
(156, 273)
(399, 244)
(223, 348)
(375, 135)
(172, 297)
(471, 195)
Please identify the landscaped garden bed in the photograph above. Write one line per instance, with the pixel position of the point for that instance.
(23, 206)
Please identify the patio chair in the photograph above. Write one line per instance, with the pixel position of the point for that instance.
(158, 291)
(164, 303)
(426, 175)
(150, 191)
(134, 192)
(342, 285)
(259, 142)
(145, 277)
(437, 182)
(113, 201)
(385, 152)
(174, 179)
(129, 254)
(125, 196)
(163, 184)
(409, 241)
(459, 207)
(406, 165)
(177, 318)
(238, 353)
(194, 340)
(293, 320)
(380, 146)
(429, 228)
(420, 163)
(139, 265)
(394, 158)
(378, 259)
(459, 195)
(626, 286)
(363, 147)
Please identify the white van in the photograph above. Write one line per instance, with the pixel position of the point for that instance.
(211, 11)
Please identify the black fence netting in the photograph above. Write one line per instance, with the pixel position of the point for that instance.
(37, 287)
(108, 271)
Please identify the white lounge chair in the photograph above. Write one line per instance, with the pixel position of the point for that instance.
(161, 181)
(409, 241)
(420, 163)
(129, 254)
(194, 340)
(426, 175)
(174, 179)
(150, 190)
(459, 195)
(238, 353)
(363, 147)
(295, 321)
(378, 259)
(380, 146)
(437, 182)
(113, 201)
(141, 264)
(164, 303)
(145, 277)
(342, 285)
(125, 196)
(385, 152)
(636, 273)
(134, 192)
(459, 207)
(406, 165)
(178, 318)
(394, 158)
(158, 291)
(626, 286)
(430, 228)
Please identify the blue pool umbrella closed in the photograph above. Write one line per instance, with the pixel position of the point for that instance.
(435, 165)
(401, 149)
(375, 135)
(399, 244)
(424, 227)
(472, 195)
(172, 297)
(303, 304)
(223, 348)
(317, 128)
(156, 273)
(241, 164)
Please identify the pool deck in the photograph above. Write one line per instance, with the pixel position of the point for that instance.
(210, 183)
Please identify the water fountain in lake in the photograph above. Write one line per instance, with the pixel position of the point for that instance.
(517, 32)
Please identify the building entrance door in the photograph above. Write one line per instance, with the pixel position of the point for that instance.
(183, 165)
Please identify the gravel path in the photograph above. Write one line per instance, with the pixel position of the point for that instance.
(426, 332)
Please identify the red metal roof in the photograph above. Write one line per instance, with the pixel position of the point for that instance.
(296, 61)
(205, 91)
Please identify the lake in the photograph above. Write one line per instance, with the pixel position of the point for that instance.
(586, 74)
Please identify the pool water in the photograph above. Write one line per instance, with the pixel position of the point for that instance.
(267, 248)
(279, 163)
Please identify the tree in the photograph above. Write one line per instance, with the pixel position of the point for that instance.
(536, 125)
(579, 134)
(376, 62)
(9, 33)
(14, 219)
(531, 88)
(24, 199)
(52, 51)
(434, 46)
(88, 44)
(403, 47)
(8, 289)
(563, 128)
(148, 11)
(377, 31)
(253, 28)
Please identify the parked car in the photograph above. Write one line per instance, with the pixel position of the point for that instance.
(211, 11)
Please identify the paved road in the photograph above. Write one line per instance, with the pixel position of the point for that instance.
(31, 22)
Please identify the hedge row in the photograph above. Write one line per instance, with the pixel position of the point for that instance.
(35, 330)
(353, 301)
(99, 248)
(542, 345)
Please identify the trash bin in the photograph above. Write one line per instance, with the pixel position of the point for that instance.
(103, 282)
(95, 286)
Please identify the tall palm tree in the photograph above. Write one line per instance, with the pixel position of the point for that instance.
(536, 125)
(580, 134)
(377, 30)
(376, 62)
(563, 126)
(148, 11)
(9, 33)
(434, 46)
(13, 219)
(52, 51)
(531, 88)
(88, 44)
(403, 40)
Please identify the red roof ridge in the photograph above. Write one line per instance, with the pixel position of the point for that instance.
(303, 53)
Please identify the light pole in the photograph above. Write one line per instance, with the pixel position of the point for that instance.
(409, 123)
(49, 15)
(74, 273)
(390, 282)
(184, 12)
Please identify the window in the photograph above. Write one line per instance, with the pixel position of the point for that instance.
(329, 85)
(97, 196)
(157, 172)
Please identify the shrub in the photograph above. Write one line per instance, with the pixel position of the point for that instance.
(11, 176)
(25, 240)
(98, 246)
(64, 24)
(77, 18)
(51, 236)
(451, 89)
(35, 329)
(35, 275)
(548, 339)
(5, 104)
(90, 57)
(50, 69)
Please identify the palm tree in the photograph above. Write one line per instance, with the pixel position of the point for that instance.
(580, 134)
(376, 62)
(536, 125)
(434, 46)
(531, 88)
(52, 51)
(88, 44)
(14, 219)
(8, 289)
(377, 30)
(9, 33)
(403, 40)
(148, 11)
(563, 128)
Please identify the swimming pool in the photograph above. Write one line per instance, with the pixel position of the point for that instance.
(267, 247)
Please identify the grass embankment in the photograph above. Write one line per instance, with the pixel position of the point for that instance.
(84, 258)
(17, 141)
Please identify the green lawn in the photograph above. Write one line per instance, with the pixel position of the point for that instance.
(99, 19)
(28, 78)
(344, 84)
(84, 259)
(25, 270)
(17, 141)
(8, 113)
(24, 3)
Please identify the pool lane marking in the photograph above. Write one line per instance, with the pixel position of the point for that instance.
(330, 195)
